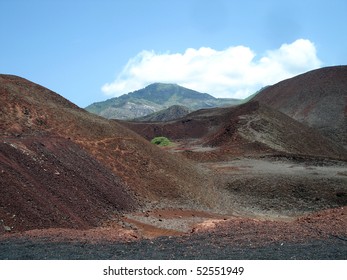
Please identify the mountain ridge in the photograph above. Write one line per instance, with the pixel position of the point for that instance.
(153, 98)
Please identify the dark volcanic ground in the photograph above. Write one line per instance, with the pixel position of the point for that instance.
(173, 249)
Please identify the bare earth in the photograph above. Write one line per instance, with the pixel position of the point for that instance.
(234, 238)
(262, 220)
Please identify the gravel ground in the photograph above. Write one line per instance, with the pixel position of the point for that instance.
(173, 248)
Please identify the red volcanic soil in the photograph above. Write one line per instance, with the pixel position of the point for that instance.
(30, 109)
(317, 98)
(233, 230)
(48, 181)
(318, 236)
(255, 232)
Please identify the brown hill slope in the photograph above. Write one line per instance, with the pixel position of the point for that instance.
(245, 129)
(42, 134)
(317, 98)
(48, 181)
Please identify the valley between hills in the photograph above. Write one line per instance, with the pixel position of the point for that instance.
(265, 178)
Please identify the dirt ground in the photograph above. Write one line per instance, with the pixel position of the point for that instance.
(270, 208)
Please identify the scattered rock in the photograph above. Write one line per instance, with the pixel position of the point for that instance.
(3, 227)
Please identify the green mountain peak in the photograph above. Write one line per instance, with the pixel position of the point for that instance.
(153, 98)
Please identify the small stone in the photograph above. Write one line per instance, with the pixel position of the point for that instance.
(8, 229)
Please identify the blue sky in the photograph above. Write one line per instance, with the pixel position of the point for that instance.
(91, 50)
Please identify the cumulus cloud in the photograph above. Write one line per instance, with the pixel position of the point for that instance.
(234, 72)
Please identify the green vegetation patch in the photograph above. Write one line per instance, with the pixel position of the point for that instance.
(161, 141)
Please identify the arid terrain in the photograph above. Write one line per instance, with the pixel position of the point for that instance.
(242, 182)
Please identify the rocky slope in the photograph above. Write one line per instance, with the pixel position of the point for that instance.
(49, 181)
(172, 113)
(317, 98)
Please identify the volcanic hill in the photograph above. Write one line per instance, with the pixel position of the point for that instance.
(64, 167)
(153, 98)
(250, 128)
(172, 113)
(317, 98)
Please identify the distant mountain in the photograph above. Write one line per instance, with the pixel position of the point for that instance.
(172, 113)
(156, 97)
(317, 98)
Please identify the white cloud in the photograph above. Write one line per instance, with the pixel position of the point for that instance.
(233, 72)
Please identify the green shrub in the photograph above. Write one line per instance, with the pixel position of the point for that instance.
(161, 141)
